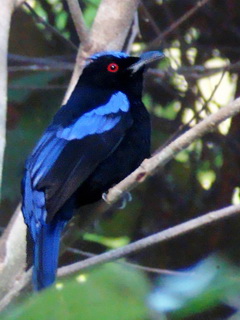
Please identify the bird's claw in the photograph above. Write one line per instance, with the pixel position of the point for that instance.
(104, 197)
(121, 204)
(126, 197)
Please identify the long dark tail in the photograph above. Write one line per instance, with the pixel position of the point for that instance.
(46, 251)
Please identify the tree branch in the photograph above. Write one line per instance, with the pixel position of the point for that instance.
(78, 20)
(150, 166)
(109, 31)
(133, 265)
(5, 19)
(156, 42)
(49, 27)
(161, 236)
(12, 253)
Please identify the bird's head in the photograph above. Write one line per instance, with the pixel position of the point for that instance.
(117, 71)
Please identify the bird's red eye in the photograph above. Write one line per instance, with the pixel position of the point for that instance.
(112, 67)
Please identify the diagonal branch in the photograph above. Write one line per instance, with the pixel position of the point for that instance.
(155, 43)
(78, 20)
(49, 27)
(150, 166)
(5, 19)
(161, 236)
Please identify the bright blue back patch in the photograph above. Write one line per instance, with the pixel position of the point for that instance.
(116, 54)
(98, 120)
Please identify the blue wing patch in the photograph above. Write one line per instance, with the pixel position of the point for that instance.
(98, 120)
(66, 155)
(33, 207)
(46, 152)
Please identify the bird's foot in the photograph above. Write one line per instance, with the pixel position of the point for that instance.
(122, 202)
(104, 197)
(126, 197)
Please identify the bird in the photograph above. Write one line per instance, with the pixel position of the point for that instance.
(94, 141)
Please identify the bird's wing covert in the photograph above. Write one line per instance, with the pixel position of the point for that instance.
(65, 157)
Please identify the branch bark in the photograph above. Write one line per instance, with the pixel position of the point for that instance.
(150, 166)
(5, 19)
(12, 243)
(109, 31)
(12, 253)
(156, 42)
(78, 20)
(151, 240)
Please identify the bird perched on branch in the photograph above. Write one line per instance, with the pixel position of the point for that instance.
(98, 138)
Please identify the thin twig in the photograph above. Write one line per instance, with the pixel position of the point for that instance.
(194, 72)
(34, 67)
(185, 126)
(78, 20)
(49, 27)
(133, 265)
(133, 32)
(52, 60)
(32, 87)
(155, 43)
(161, 236)
(149, 18)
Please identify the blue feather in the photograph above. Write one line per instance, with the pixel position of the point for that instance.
(46, 236)
(46, 159)
(33, 207)
(98, 120)
(46, 254)
(93, 142)
(116, 54)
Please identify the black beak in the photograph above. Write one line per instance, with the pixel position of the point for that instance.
(146, 58)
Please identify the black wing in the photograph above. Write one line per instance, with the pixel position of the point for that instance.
(65, 157)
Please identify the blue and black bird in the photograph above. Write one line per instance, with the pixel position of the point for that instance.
(95, 140)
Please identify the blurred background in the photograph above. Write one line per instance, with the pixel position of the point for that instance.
(199, 76)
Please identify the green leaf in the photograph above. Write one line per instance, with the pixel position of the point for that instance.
(110, 292)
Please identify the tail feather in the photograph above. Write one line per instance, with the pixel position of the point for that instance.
(44, 237)
(46, 253)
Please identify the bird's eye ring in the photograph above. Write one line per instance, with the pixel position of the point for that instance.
(112, 67)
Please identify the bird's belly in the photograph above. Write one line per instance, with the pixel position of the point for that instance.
(125, 159)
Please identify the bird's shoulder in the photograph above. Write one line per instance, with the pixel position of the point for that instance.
(88, 102)
(74, 144)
